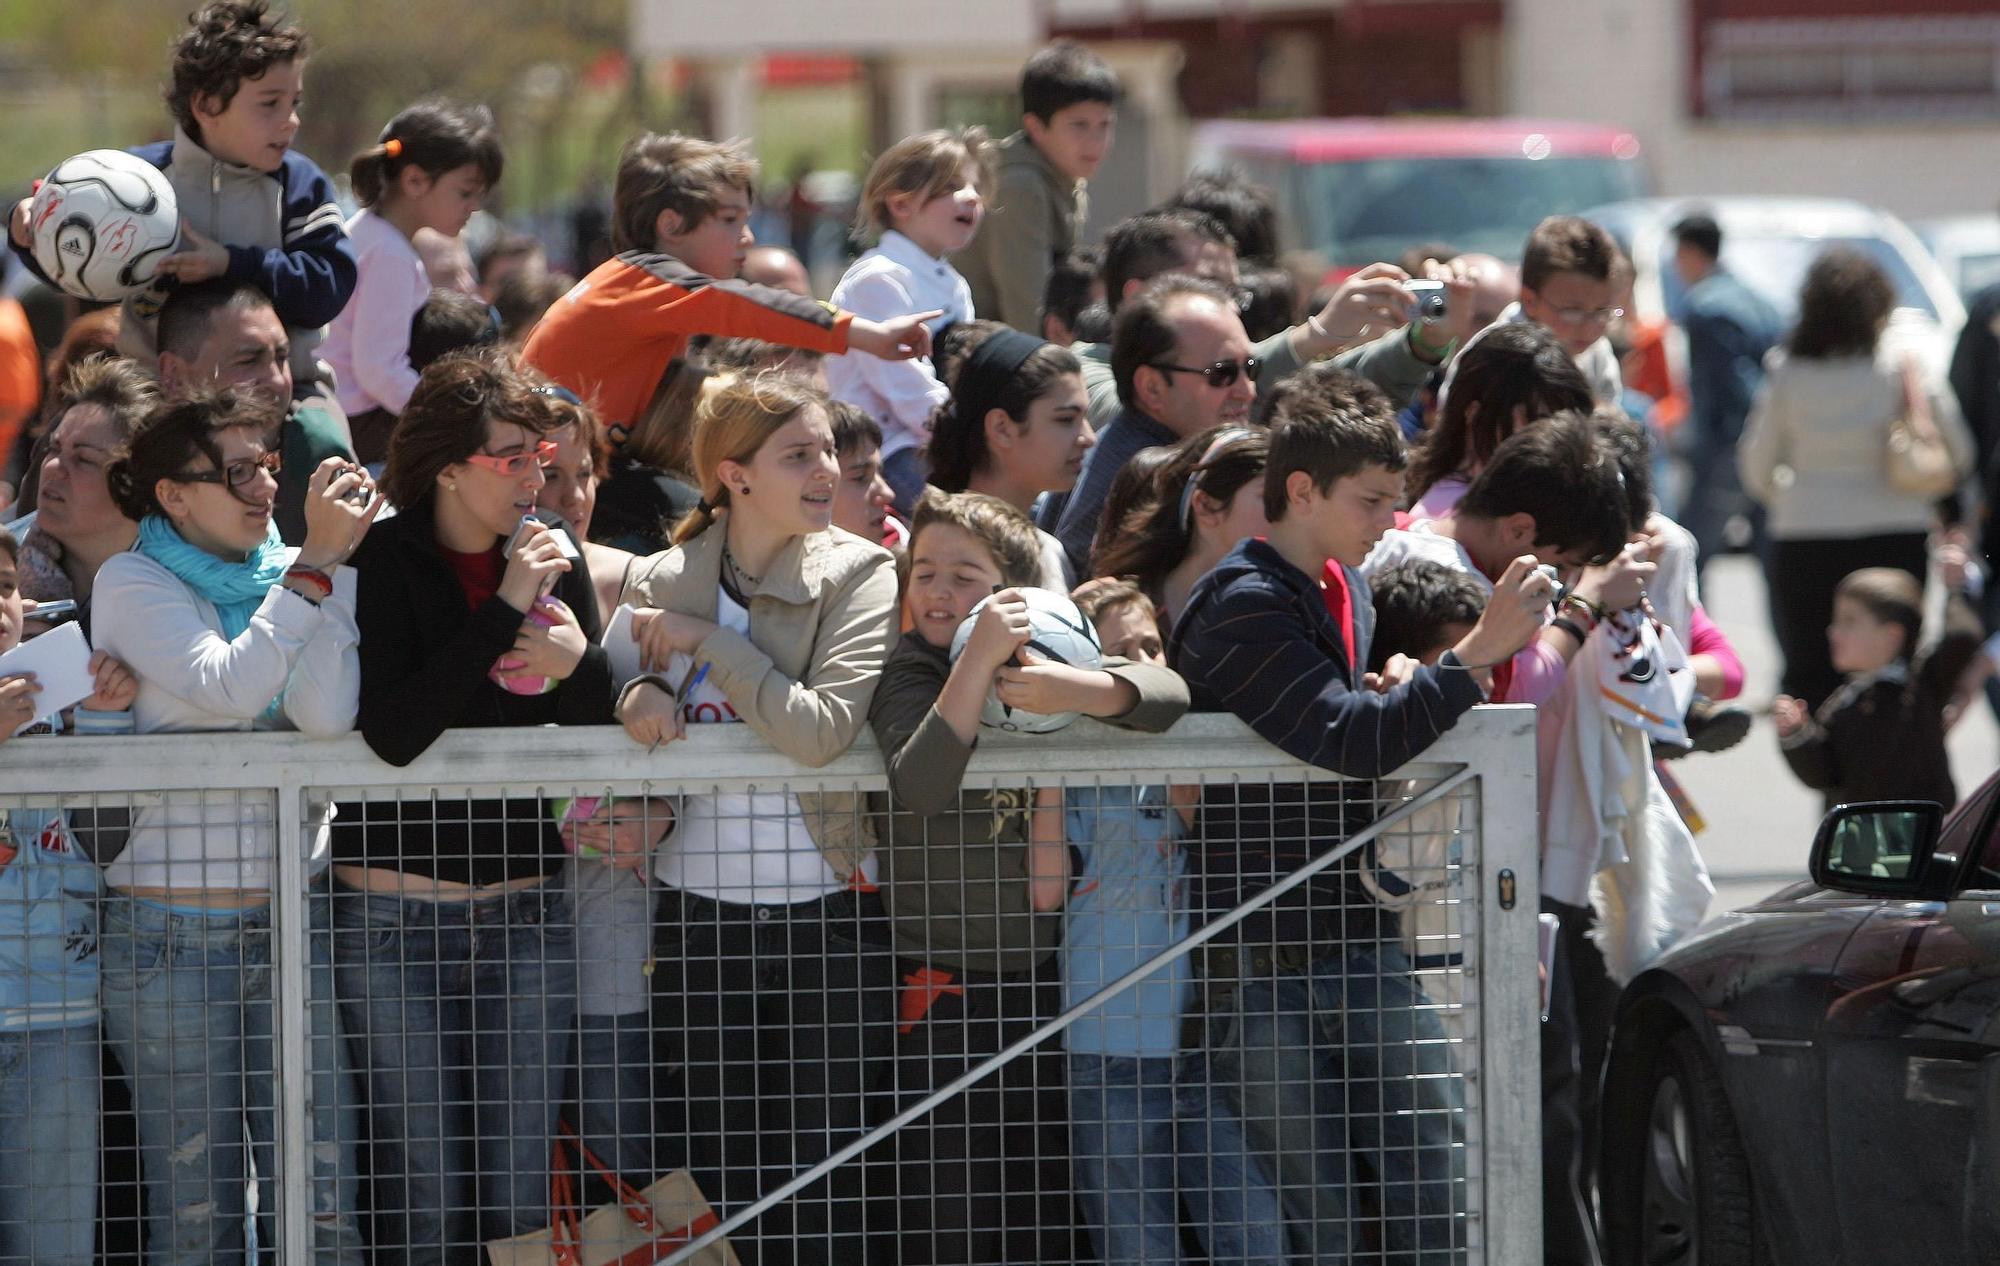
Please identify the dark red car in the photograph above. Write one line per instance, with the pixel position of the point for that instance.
(1816, 1079)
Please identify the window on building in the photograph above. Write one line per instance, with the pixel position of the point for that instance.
(1850, 70)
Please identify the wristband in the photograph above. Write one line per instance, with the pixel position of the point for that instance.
(1569, 626)
(1594, 612)
(654, 680)
(312, 576)
(1424, 351)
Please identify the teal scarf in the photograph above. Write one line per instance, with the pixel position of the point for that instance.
(236, 589)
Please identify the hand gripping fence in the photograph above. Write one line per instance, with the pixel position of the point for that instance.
(1483, 771)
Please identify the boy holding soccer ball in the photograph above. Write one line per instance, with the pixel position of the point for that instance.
(974, 880)
(252, 209)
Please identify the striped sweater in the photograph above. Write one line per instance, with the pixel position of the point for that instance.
(1256, 640)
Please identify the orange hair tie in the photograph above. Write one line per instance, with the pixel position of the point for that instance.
(392, 148)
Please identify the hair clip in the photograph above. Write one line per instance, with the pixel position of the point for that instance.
(392, 148)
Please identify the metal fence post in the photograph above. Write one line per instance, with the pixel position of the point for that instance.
(1508, 897)
(291, 950)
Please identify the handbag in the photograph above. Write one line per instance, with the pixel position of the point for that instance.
(1918, 462)
(639, 1230)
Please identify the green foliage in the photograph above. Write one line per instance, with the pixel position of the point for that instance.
(69, 85)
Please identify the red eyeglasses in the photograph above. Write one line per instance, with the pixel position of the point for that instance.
(514, 463)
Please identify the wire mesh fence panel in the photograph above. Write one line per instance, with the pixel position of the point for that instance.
(543, 997)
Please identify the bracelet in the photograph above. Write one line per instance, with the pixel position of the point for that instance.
(655, 680)
(1463, 667)
(1593, 611)
(312, 576)
(1319, 331)
(1424, 351)
(1569, 626)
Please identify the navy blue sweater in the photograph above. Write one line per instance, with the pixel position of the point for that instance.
(1256, 640)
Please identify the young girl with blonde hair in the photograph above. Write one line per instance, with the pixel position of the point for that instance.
(771, 987)
(925, 195)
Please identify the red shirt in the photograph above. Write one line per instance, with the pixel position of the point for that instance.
(1340, 605)
(478, 574)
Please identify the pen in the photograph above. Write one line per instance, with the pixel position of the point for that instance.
(696, 675)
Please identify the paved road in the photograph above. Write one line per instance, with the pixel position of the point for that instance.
(1760, 819)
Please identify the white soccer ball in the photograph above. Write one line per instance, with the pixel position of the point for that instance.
(101, 223)
(1061, 635)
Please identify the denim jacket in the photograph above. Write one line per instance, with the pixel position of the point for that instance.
(48, 913)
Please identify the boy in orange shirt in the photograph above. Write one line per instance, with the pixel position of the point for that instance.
(681, 226)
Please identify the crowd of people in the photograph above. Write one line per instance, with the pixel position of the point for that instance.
(307, 482)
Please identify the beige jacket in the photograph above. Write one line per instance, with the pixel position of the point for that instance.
(821, 625)
(1815, 449)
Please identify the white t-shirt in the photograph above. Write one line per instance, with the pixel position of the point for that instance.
(1419, 541)
(737, 847)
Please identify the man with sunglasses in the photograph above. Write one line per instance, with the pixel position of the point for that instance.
(1183, 364)
(221, 333)
(1371, 304)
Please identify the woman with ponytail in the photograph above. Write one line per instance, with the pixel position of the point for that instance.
(1206, 497)
(226, 629)
(772, 988)
(1017, 426)
(432, 168)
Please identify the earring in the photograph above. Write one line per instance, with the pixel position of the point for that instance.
(744, 491)
(452, 486)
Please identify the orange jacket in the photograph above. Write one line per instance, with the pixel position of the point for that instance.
(20, 374)
(611, 338)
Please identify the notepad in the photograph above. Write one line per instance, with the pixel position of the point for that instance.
(60, 661)
(621, 645)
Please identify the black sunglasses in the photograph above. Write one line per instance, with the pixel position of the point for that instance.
(1222, 373)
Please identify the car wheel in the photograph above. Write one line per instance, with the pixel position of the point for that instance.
(1677, 1186)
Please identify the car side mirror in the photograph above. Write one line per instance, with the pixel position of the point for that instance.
(1880, 848)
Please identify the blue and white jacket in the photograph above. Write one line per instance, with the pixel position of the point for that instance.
(285, 235)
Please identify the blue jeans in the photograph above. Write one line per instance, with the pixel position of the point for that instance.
(1143, 1139)
(48, 1145)
(615, 1092)
(1344, 1080)
(188, 1011)
(461, 1014)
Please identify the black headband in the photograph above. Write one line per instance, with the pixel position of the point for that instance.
(988, 370)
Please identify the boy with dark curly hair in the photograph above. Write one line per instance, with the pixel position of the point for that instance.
(253, 210)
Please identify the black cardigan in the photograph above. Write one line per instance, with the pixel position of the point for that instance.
(424, 663)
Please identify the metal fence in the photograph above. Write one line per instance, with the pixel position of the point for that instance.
(977, 1050)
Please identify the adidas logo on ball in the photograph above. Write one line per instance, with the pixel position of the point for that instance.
(102, 222)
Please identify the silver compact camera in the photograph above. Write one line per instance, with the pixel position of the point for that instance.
(1555, 578)
(1430, 299)
(360, 494)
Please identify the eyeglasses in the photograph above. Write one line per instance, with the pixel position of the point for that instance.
(541, 454)
(236, 474)
(1222, 373)
(1587, 316)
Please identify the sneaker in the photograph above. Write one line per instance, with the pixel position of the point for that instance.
(1711, 727)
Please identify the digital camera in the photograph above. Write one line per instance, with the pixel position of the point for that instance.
(1430, 299)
